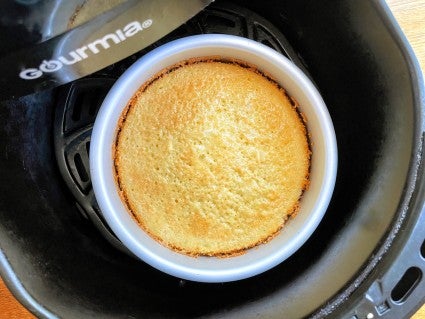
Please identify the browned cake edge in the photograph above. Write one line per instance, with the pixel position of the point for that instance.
(127, 109)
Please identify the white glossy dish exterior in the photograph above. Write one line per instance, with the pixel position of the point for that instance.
(313, 204)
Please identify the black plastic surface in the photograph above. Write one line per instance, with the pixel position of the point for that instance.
(54, 42)
(371, 235)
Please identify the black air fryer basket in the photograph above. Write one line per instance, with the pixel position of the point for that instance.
(365, 260)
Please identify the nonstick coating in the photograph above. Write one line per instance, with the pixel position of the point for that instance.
(365, 78)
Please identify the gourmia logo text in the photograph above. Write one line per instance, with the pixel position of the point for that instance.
(75, 56)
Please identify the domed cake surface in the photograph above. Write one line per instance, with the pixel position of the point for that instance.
(211, 157)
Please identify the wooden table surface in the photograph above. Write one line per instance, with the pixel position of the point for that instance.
(411, 17)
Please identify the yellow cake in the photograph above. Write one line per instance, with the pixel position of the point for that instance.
(211, 157)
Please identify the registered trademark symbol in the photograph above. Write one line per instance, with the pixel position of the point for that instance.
(147, 23)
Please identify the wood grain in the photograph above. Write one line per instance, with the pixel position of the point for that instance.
(410, 14)
(10, 308)
(411, 17)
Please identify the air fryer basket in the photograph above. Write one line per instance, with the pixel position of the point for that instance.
(366, 258)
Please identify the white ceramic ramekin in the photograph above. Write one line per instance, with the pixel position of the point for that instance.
(314, 201)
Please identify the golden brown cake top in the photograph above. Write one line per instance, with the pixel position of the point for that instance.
(211, 158)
